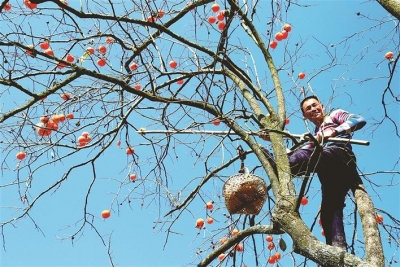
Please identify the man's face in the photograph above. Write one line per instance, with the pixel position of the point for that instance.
(313, 111)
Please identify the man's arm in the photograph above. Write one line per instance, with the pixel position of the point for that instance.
(346, 121)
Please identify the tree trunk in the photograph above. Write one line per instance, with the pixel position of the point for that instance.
(306, 244)
(372, 238)
(392, 6)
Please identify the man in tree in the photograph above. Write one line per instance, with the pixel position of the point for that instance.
(334, 163)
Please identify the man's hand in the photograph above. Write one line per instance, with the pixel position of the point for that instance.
(264, 136)
(326, 134)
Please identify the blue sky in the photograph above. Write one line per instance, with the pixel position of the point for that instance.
(135, 236)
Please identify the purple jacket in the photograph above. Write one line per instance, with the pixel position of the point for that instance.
(342, 121)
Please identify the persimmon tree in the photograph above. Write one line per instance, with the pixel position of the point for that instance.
(85, 87)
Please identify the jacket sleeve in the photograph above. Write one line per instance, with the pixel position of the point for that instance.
(346, 121)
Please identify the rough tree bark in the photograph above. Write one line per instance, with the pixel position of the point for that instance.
(392, 6)
(306, 244)
(372, 238)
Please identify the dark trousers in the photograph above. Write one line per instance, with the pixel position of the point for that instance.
(336, 168)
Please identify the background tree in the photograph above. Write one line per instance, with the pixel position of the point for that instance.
(82, 81)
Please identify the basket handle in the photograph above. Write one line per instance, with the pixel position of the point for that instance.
(242, 157)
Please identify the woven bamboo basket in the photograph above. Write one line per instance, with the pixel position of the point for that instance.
(245, 193)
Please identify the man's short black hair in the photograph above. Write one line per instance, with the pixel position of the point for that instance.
(305, 99)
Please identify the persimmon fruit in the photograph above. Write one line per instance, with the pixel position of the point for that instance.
(173, 64)
(223, 240)
(42, 129)
(160, 13)
(211, 19)
(44, 119)
(287, 27)
(109, 40)
(221, 25)
(272, 259)
(273, 44)
(304, 201)
(7, 7)
(151, 18)
(215, 7)
(65, 96)
(90, 50)
(221, 16)
(70, 58)
(133, 66)
(199, 223)
(284, 34)
(49, 52)
(101, 62)
(30, 5)
(105, 214)
(44, 45)
(379, 218)
(53, 125)
(102, 49)
(61, 65)
(239, 248)
(55, 118)
(271, 245)
(130, 151)
(389, 55)
(30, 51)
(279, 36)
(21, 155)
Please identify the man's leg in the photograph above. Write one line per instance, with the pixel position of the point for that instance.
(336, 171)
(338, 233)
(332, 217)
(301, 161)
